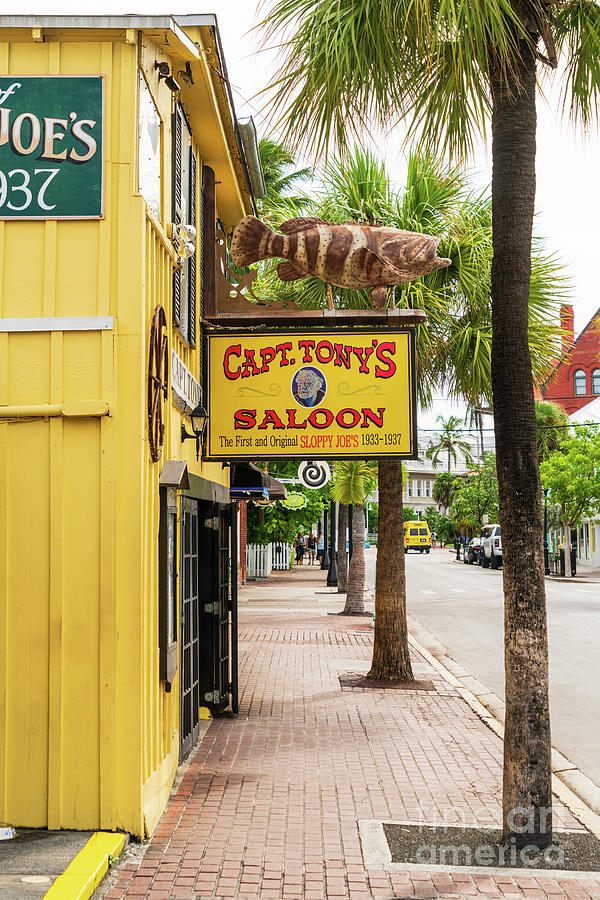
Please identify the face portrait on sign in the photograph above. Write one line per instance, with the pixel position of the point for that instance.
(309, 386)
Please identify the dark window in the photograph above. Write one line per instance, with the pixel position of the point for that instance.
(184, 213)
(580, 383)
(422, 531)
(596, 381)
(414, 531)
(168, 599)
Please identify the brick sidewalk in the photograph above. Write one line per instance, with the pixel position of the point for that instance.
(270, 803)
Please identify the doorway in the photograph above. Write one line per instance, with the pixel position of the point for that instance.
(208, 614)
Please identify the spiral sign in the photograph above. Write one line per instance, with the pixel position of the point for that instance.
(314, 474)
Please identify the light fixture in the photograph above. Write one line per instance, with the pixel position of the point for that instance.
(187, 232)
(172, 84)
(186, 75)
(164, 71)
(199, 419)
(183, 237)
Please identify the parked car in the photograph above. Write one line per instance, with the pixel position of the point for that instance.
(472, 552)
(491, 547)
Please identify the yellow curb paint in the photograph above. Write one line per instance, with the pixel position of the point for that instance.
(204, 713)
(83, 875)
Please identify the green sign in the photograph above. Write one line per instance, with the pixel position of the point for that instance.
(295, 500)
(51, 147)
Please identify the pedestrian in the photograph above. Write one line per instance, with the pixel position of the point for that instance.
(311, 546)
(320, 546)
(299, 548)
(433, 539)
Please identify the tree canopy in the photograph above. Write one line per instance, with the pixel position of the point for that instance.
(572, 476)
(476, 495)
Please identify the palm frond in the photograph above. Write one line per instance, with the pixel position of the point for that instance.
(577, 29)
(353, 480)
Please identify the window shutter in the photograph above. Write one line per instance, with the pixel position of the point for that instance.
(192, 259)
(208, 243)
(177, 139)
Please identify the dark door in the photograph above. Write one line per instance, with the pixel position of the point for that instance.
(218, 579)
(189, 628)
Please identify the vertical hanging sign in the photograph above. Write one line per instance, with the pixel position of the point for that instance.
(52, 147)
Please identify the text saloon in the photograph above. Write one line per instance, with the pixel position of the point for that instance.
(300, 395)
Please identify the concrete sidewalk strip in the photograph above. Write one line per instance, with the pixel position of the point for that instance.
(287, 800)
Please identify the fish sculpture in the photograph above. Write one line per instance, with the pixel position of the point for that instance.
(350, 256)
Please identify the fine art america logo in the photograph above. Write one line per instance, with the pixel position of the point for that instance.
(51, 147)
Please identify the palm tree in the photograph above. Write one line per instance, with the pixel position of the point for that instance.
(281, 176)
(353, 481)
(448, 68)
(449, 442)
(342, 556)
(444, 488)
(453, 346)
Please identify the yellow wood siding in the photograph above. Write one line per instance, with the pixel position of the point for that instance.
(88, 735)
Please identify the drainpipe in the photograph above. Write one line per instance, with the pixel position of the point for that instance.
(250, 145)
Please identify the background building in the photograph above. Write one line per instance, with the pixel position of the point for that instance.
(575, 380)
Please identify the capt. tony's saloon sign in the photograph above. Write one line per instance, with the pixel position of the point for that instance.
(347, 393)
(51, 147)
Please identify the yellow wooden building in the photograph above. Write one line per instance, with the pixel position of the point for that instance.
(115, 132)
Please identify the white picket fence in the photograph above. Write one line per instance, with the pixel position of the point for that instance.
(261, 560)
(282, 554)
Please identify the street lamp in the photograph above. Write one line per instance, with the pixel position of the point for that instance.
(325, 557)
(199, 419)
(546, 554)
(332, 574)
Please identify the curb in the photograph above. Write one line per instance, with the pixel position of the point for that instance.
(578, 792)
(581, 578)
(85, 872)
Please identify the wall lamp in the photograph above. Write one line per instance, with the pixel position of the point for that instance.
(164, 71)
(199, 419)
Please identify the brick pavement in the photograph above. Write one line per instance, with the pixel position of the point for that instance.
(269, 804)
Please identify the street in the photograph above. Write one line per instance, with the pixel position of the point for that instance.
(463, 607)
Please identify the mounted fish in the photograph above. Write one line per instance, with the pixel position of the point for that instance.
(350, 256)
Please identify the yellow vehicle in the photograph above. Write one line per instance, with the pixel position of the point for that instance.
(417, 537)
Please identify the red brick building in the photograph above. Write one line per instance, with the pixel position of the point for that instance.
(575, 380)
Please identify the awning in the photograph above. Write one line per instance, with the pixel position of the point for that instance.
(175, 474)
(249, 483)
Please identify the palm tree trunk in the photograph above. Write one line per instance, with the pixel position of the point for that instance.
(355, 596)
(527, 796)
(391, 659)
(342, 557)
